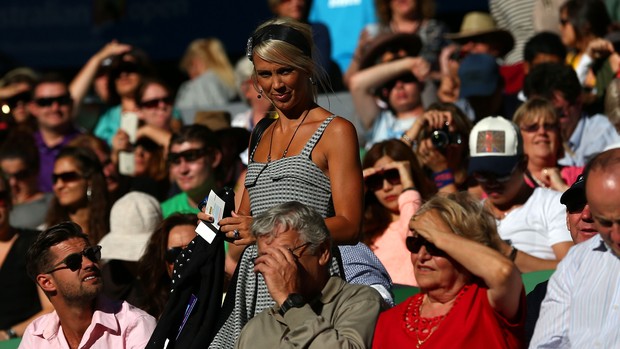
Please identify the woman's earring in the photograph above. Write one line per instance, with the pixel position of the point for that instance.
(260, 94)
(89, 193)
(312, 81)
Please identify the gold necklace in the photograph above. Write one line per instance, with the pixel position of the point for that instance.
(289, 142)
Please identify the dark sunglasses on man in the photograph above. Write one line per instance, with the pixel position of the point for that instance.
(190, 155)
(405, 79)
(63, 100)
(374, 182)
(20, 175)
(73, 261)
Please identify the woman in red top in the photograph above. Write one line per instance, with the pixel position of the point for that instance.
(471, 295)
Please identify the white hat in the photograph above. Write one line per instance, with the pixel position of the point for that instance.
(133, 219)
(495, 146)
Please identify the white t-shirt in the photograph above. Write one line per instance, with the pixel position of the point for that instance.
(537, 225)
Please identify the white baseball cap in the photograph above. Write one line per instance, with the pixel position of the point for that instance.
(495, 146)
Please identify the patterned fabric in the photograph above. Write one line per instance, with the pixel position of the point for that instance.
(269, 184)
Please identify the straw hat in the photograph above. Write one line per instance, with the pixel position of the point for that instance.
(480, 26)
(133, 219)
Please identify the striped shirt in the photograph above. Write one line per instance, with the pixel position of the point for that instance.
(582, 305)
(516, 17)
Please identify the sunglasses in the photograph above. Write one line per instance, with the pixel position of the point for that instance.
(49, 101)
(535, 127)
(173, 253)
(563, 21)
(188, 155)
(414, 243)
(374, 182)
(297, 248)
(5, 198)
(126, 67)
(147, 144)
(484, 177)
(66, 177)
(19, 175)
(20, 97)
(575, 206)
(154, 103)
(73, 261)
(405, 79)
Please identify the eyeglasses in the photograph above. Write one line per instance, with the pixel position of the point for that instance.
(414, 243)
(188, 155)
(19, 175)
(484, 177)
(575, 206)
(154, 103)
(298, 248)
(535, 127)
(73, 261)
(173, 253)
(406, 78)
(66, 177)
(49, 101)
(374, 182)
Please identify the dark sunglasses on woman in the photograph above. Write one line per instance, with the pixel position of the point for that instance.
(374, 182)
(414, 243)
(66, 177)
(73, 261)
(173, 253)
(154, 103)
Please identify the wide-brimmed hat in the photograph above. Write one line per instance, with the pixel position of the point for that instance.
(480, 26)
(410, 43)
(133, 219)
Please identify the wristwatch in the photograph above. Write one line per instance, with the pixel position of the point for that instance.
(11, 333)
(294, 300)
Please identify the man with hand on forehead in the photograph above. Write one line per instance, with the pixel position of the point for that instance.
(313, 309)
(66, 268)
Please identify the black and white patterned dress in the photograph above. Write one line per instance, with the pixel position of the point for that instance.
(294, 178)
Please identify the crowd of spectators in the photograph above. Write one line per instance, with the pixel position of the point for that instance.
(471, 159)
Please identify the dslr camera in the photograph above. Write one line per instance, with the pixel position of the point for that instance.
(442, 137)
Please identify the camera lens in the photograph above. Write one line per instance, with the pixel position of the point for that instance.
(440, 139)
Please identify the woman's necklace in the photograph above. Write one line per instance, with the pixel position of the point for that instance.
(421, 326)
(289, 142)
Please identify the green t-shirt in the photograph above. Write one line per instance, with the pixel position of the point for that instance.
(178, 203)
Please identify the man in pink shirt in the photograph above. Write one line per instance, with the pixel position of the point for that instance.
(65, 266)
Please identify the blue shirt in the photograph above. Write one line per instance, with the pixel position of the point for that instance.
(582, 305)
(591, 136)
(345, 20)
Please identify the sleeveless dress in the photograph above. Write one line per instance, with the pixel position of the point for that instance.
(294, 178)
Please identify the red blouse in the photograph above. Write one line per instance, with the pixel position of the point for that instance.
(471, 323)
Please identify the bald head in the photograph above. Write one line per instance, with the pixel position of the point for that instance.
(602, 191)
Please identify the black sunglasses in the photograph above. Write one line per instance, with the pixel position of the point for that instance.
(20, 97)
(19, 175)
(154, 103)
(406, 78)
(66, 177)
(188, 155)
(374, 182)
(49, 101)
(484, 177)
(414, 243)
(147, 144)
(173, 253)
(73, 261)
(575, 206)
(126, 67)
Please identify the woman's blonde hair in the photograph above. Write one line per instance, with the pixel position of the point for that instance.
(466, 217)
(299, 55)
(211, 51)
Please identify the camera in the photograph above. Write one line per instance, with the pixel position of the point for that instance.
(442, 137)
